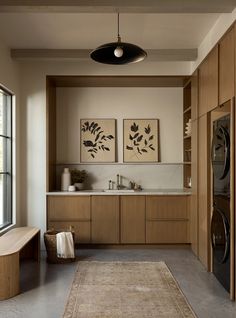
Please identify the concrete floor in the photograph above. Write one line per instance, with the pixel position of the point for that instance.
(45, 288)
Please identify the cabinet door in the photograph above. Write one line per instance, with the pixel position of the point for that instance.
(132, 219)
(70, 211)
(167, 219)
(105, 219)
(208, 83)
(194, 190)
(226, 67)
(204, 190)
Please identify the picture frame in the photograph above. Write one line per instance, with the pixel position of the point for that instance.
(140, 140)
(97, 140)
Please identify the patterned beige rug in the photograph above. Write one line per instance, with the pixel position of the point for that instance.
(125, 290)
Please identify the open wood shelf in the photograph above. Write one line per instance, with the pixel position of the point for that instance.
(187, 147)
(187, 110)
(187, 136)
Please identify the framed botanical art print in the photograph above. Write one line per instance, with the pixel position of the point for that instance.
(141, 142)
(97, 140)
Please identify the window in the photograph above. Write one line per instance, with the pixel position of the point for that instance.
(5, 158)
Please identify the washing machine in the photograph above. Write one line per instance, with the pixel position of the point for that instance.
(220, 222)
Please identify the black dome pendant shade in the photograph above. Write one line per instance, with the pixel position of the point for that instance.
(118, 53)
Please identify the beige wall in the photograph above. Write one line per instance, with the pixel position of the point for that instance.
(9, 78)
(165, 104)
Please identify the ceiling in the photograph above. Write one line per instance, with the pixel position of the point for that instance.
(62, 25)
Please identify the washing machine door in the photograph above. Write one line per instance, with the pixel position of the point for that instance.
(220, 152)
(220, 236)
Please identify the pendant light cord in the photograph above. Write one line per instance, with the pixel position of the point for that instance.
(118, 27)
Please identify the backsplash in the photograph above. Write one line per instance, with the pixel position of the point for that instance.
(152, 176)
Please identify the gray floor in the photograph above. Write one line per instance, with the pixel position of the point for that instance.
(45, 288)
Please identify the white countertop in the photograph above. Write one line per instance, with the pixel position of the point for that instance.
(182, 191)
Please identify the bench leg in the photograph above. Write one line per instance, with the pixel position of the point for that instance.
(9, 276)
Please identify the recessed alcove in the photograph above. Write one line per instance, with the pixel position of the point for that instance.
(63, 93)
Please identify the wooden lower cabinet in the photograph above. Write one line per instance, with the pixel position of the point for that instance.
(167, 232)
(194, 196)
(105, 219)
(113, 219)
(64, 212)
(167, 219)
(132, 219)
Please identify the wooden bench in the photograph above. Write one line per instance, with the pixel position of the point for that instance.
(22, 242)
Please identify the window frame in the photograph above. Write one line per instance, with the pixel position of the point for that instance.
(8, 136)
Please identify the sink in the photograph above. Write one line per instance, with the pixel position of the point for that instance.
(120, 191)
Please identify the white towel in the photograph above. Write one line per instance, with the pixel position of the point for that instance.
(65, 245)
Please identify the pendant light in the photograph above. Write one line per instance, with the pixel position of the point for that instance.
(118, 52)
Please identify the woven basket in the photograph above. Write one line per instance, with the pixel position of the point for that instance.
(51, 248)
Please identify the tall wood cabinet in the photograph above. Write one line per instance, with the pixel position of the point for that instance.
(226, 67)
(208, 83)
(194, 196)
(204, 197)
(194, 166)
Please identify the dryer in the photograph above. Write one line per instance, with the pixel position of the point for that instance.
(220, 222)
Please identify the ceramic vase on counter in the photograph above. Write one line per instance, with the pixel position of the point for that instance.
(79, 186)
(65, 179)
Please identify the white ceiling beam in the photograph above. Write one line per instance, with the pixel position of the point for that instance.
(124, 6)
(153, 55)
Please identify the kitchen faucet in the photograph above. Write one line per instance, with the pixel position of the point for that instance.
(118, 182)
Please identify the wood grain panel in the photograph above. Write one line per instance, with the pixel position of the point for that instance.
(204, 190)
(194, 196)
(81, 229)
(166, 207)
(51, 135)
(11, 244)
(105, 219)
(208, 83)
(9, 276)
(167, 232)
(194, 95)
(68, 208)
(235, 74)
(226, 67)
(132, 219)
(118, 81)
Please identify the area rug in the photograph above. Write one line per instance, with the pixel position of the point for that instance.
(125, 290)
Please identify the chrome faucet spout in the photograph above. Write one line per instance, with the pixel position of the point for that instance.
(118, 181)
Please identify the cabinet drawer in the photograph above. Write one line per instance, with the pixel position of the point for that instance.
(81, 229)
(166, 207)
(167, 232)
(68, 208)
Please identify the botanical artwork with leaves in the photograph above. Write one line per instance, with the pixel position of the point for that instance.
(141, 140)
(97, 140)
